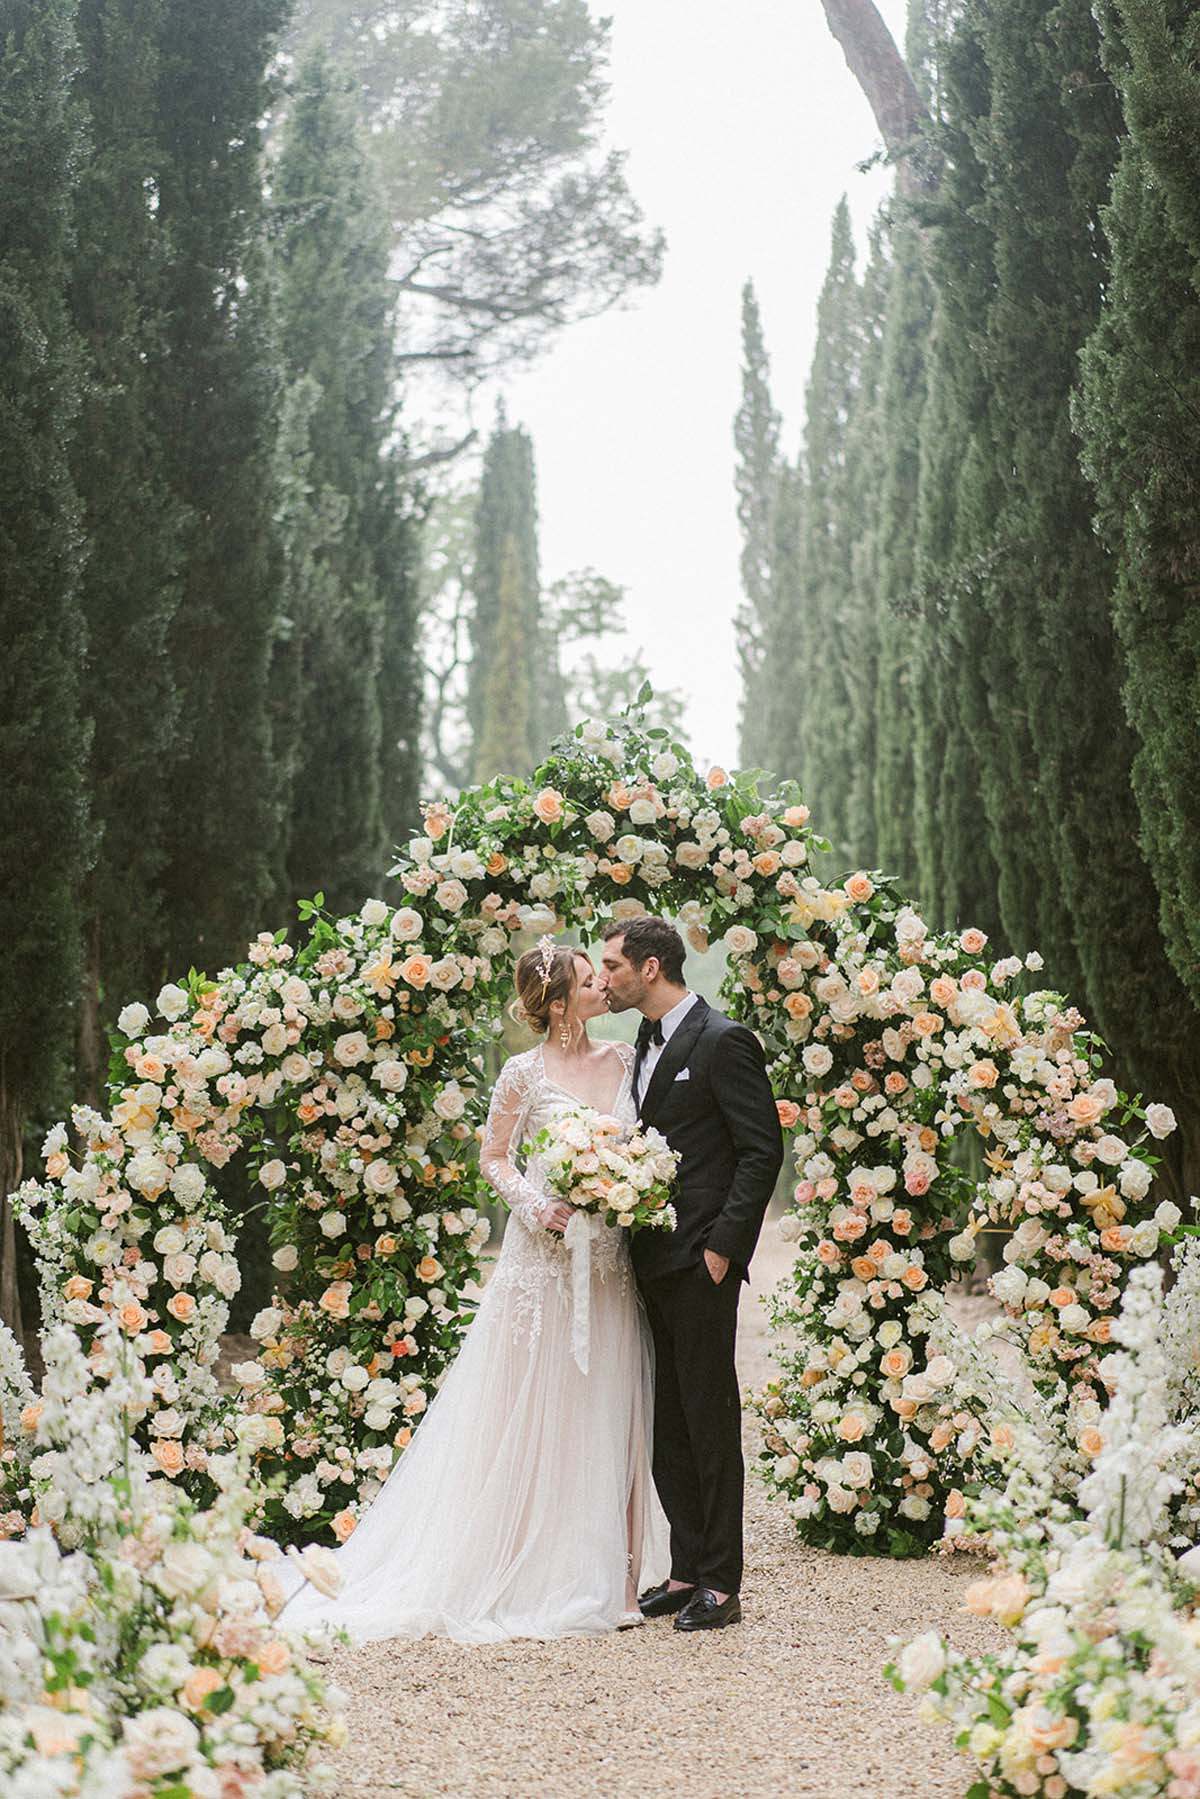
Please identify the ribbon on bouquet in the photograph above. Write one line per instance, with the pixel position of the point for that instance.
(580, 1234)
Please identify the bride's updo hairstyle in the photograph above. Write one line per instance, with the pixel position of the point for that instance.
(543, 975)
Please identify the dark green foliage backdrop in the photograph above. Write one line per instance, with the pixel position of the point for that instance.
(985, 609)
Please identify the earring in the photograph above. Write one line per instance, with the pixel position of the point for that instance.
(564, 1034)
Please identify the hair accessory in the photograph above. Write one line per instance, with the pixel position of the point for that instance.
(546, 966)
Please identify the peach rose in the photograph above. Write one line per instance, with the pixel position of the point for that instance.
(852, 1427)
(132, 1318)
(621, 873)
(199, 1686)
(868, 981)
(548, 805)
(78, 1287)
(416, 971)
(57, 1164)
(942, 990)
(896, 1363)
(795, 816)
(344, 1525)
(901, 1222)
(168, 1453)
(496, 863)
(797, 1005)
(1091, 1441)
(1085, 1108)
(438, 819)
(620, 797)
(428, 1268)
(972, 942)
(863, 1267)
(828, 1253)
(275, 1656)
(1099, 1330)
(850, 1228)
(158, 1342)
(983, 1074)
(1062, 1296)
(182, 1306)
(336, 1299)
(914, 1278)
(788, 1112)
(956, 1503)
(1116, 1238)
(716, 777)
(858, 887)
(767, 863)
(927, 1024)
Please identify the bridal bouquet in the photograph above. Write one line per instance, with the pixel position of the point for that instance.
(587, 1164)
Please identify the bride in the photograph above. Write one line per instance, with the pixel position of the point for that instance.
(524, 1506)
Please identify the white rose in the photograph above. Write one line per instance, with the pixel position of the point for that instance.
(1160, 1121)
(285, 1258)
(625, 909)
(817, 1059)
(1134, 1179)
(133, 1019)
(790, 1227)
(379, 1176)
(266, 1323)
(354, 1378)
(739, 940)
(184, 1568)
(628, 848)
(786, 1467)
(407, 924)
(392, 1075)
(1112, 1151)
(320, 1567)
(179, 1269)
(664, 766)
(188, 1183)
(856, 1469)
(172, 1002)
(169, 1240)
(272, 1174)
(841, 1499)
(333, 1224)
(691, 855)
(889, 1333)
(450, 1103)
(445, 974)
(601, 825)
(451, 896)
(373, 912)
(643, 812)
(922, 1661)
(1167, 1216)
(158, 1741)
(1143, 1239)
(1076, 1317)
(913, 1507)
(351, 1048)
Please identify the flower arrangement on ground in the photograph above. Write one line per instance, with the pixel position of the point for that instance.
(1097, 1688)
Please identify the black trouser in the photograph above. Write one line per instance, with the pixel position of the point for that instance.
(698, 1422)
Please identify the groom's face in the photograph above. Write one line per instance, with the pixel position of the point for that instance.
(624, 984)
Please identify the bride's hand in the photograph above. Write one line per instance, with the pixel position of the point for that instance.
(558, 1216)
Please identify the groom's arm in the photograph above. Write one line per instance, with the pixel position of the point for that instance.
(743, 1094)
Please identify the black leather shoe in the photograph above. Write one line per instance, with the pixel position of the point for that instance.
(704, 1611)
(660, 1602)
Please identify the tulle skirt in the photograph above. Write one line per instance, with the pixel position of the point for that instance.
(525, 1501)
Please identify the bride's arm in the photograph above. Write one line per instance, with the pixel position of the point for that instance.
(520, 1195)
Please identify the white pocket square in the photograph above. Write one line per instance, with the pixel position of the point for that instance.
(685, 1074)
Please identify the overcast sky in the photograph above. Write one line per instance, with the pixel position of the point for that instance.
(743, 128)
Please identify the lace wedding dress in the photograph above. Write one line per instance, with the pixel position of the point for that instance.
(525, 1502)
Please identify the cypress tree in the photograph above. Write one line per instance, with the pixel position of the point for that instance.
(1138, 415)
(820, 688)
(505, 743)
(347, 574)
(132, 520)
(218, 403)
(757, 472)
(44, 822)
(506, 551)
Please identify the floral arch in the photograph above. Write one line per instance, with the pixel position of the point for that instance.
(349, 1072)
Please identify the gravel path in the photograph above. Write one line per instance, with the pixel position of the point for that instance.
(791, 1703)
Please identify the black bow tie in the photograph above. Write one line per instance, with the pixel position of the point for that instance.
(649, 1031)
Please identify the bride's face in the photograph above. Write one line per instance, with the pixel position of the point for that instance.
(589, 999)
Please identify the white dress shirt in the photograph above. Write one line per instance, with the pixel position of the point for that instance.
(670, 1022)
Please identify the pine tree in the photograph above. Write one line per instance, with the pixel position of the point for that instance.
(351, 585)
(757, 469)
(133, 522)
(1138, 414)
(218, 398)
(44, 822)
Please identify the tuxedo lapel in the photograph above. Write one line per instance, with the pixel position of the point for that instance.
(675, 1053)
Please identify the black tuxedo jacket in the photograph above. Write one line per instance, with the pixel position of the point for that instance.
(721, 1118)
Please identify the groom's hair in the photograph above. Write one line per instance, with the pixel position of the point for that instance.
(650, 937)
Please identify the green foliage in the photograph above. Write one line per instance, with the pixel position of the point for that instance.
(348, 589)
(757, 475)
(509, 221)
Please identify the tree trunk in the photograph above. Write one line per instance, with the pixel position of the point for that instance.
(10, 1180)
(89, 1048)
(883, 75)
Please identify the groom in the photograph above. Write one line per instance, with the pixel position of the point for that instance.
(701, 1080)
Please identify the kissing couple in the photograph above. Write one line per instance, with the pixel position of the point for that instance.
(551, 1494)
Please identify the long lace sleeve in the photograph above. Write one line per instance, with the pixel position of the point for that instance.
(510, 1098)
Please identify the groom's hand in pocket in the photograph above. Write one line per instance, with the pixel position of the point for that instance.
(718, 1266)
